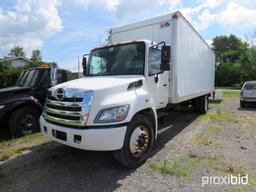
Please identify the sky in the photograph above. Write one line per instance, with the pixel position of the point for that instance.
(66, 29)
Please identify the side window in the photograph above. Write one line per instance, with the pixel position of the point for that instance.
(154, 61)
(61, 76)
(46, 78)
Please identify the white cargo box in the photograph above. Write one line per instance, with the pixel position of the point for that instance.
(192, 60)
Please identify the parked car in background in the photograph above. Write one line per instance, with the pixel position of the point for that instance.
(21, 105)
(248, 93)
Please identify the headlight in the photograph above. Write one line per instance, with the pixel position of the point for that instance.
(114, 114)
(1, 107)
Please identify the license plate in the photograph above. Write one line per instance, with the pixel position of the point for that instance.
(59, 135)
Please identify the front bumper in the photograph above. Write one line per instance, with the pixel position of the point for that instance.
(97, 139)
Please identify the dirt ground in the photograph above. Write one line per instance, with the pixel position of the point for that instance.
(221, 143)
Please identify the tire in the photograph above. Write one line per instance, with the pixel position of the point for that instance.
(24, 120)
(129, 156)
(242, 104)
(195, 105)
(203, 104)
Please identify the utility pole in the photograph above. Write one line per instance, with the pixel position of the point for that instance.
(78, 67)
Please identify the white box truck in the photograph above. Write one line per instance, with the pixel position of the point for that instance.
(146, 67)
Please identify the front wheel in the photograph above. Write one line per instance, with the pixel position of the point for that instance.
(138, 143)
(24, 120)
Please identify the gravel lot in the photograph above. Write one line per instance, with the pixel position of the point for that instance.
(220, 143)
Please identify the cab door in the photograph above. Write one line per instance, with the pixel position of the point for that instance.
(158, 81)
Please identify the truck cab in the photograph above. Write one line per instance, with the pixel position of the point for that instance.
(22, 104)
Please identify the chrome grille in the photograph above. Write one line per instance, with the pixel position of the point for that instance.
(71, 110)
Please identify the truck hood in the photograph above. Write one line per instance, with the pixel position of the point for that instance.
(101, 85)
(9, 91)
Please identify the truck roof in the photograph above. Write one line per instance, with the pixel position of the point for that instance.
(126, 42)
(43, 68)
(155, 20)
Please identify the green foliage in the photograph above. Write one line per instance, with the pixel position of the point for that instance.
(236, 61)
(219, 116)
(17, 51)
(8, 74)
(177, 168)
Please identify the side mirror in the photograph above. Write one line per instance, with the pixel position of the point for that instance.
(53, 77)
(165, 67)
(165, 58)
(166, 54)
(84, 63)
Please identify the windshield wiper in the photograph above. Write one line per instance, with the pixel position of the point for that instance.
(110, 73)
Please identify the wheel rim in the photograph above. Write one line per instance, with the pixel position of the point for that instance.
(139, 141)
(27, 124)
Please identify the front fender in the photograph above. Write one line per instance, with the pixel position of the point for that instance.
(11, 104)
(138, 100)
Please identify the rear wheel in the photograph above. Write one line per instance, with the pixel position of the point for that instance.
(138, 143)
(201, 104)
(242, 104)
(24, 121)
(204, 104)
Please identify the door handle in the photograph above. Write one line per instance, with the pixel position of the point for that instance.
(156, 78)
(164, 85)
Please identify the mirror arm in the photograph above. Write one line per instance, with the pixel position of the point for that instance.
(156, 45)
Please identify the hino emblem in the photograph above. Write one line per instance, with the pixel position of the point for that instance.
(60, 94)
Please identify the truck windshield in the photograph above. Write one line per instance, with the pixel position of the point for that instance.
(126, 59)
(28, 78)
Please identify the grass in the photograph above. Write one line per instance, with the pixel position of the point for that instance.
(186, 163)
(166, 168)
(204, 141)
(228, 88)
(230, 93)
(219, 116)
(162, 167)
(214, 129)
(15, 147)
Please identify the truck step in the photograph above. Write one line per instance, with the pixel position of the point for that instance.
(161, 114)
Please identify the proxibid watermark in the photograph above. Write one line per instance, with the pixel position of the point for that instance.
(225, 180)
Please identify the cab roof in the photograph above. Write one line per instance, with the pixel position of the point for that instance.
(126, 42)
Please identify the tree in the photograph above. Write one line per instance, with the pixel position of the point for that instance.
(228, 48)
(17, 51)
(8, 74)
(234, 61)
(36, 56)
